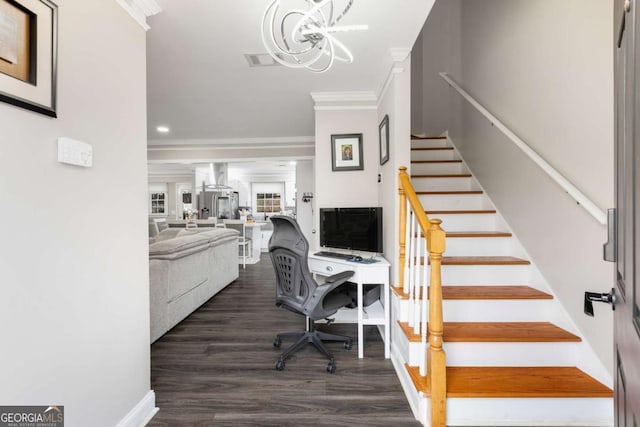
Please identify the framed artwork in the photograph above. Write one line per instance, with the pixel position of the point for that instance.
(346, 152)
(28, 54)
(383, 134)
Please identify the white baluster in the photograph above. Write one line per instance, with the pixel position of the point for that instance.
(411, 265)
(407, 257)
(424, 308)
(416, 290)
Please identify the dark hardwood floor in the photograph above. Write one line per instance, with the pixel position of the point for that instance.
(217, 368)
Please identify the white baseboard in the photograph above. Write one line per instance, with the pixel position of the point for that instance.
(405, 381)
(142, 413)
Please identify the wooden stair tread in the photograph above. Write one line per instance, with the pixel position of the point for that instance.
(420, 138)
(454, 234)
(493, 292)
(443, 175)
(436, 161)
(449, 192)
(478, 234)
(431, 148)
(498, 332)
(482, 260)
(455, 212)
(487, 292)
(523, 382)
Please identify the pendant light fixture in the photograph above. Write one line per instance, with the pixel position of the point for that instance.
(306, 39)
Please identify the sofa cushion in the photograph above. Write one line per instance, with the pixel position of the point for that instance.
(187, 242)
(167, 233)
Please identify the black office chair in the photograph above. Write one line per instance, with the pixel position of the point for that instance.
(297, 291)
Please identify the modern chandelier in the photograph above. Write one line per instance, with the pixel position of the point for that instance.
(305, 39)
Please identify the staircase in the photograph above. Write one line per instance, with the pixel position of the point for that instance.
(513, 356)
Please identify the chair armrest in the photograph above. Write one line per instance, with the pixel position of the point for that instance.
(333, 282)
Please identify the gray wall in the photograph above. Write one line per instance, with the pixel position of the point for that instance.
(545, 69)
(73, 264)
(437, 49)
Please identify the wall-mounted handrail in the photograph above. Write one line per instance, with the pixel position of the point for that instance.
(567, 186)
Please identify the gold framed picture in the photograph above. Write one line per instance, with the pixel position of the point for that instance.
(28, 54)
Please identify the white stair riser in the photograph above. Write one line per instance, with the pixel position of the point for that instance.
(444, 184)
(411, 352)
(423, 168)
(469, 222)
(433, 202)
(485, 274)
(502, 354)
(477, 246)
(511, 354)
(428, 143)
(480, 246)
(582, 412)
(487, 310)
(434, 155)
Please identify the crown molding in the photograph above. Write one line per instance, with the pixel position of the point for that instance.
(140, 10)
(234, 143)
(362, 100)
(399, 54)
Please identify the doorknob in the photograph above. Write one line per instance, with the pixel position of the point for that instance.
(590, 297)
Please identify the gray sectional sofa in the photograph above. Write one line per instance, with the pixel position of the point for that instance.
(187, 268)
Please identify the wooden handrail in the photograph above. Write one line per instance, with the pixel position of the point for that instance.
(416, 206)
(436, 357)
(435, 245)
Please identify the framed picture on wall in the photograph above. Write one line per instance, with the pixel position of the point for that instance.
(383, 135)
(346, 152)
(28, 54)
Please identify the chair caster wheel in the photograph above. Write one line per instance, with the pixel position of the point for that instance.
(331, 367)
(280, 365)
(348, 345)
(277, 342)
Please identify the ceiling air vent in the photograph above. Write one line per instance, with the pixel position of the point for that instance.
(260, 60)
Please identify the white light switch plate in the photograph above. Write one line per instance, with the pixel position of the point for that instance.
(75, 152)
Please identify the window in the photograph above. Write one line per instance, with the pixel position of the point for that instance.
(268, 202)
(158, 205)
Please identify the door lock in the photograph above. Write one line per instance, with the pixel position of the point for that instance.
(591, 297)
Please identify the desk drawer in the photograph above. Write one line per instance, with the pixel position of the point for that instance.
(328, 268)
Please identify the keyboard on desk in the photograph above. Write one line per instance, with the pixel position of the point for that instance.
(334, 255)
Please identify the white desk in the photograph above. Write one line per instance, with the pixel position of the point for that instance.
(376, 313)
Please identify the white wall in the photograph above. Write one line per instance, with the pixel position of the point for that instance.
(172, 185)
(74, 266)
(545, 68)
(394, 102)
(346, 188)
(267, 187)
(305, 211)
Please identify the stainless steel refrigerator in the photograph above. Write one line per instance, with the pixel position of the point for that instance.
(222, 204)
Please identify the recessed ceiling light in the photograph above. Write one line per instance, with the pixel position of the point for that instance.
(163, 129)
